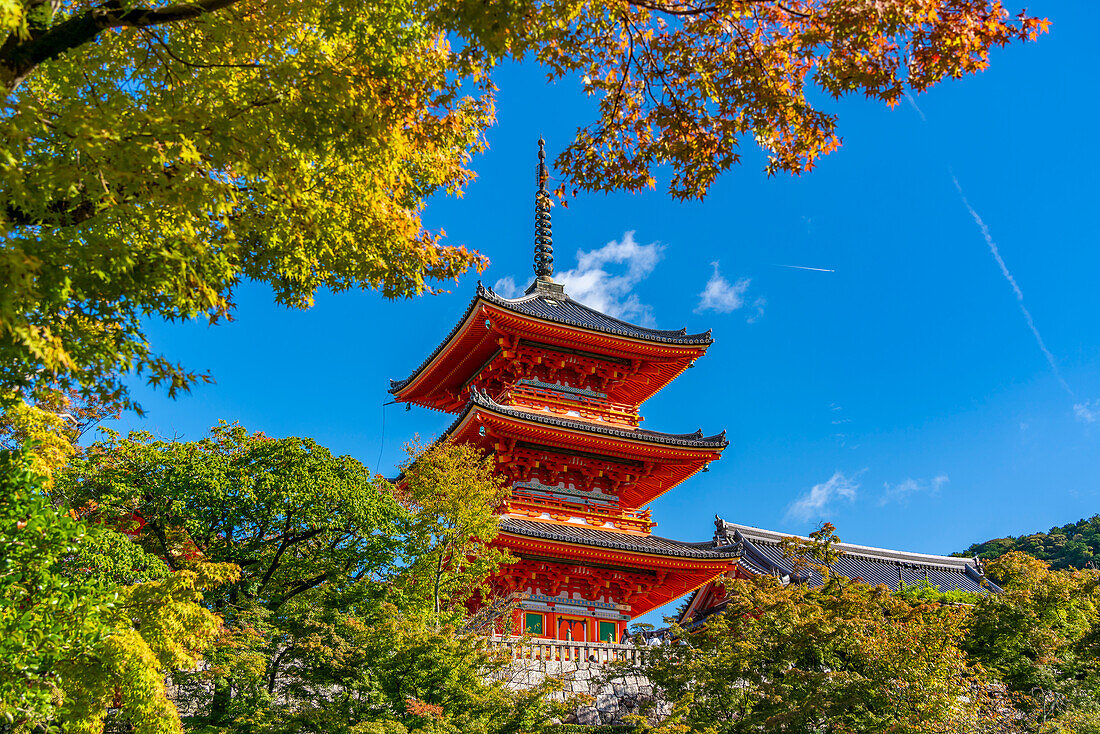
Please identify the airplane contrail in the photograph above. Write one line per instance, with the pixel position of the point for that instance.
(1015, 288)
(804, 267)
(914, 105)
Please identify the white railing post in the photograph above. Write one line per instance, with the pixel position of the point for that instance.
(566, 651)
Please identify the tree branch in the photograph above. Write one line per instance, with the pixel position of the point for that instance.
(19, 60)
(66, 214)
(300, 587)
(286, 542)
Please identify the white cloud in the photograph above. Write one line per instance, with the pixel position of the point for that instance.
(592, 283)
(725, 297)
(507, 287)
(818, 502)
(758, 310)
(901, 491)
(1088, 411)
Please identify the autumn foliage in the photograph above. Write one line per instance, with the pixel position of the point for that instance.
(683, 83)
(153, 158)
(849, 657)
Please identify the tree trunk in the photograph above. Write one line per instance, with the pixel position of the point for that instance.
(219, 704)
(435, 593)
(223, 689)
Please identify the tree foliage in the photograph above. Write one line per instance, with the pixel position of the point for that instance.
(287, 511)
(453, 491)
(1042, 637)
(682, 83)
(153, 157)
(844, 657)
(87, 620)
(289, 514)
(382, 669)
(849, 657)
(47, 430)
(1074, 545)
(345, 614)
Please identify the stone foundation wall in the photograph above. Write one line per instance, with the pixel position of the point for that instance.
(610, 693)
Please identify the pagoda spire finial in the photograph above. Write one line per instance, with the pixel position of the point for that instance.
(544, 243)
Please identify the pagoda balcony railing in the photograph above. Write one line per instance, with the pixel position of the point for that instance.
(595, 515)
(601, 653)
(563, 403)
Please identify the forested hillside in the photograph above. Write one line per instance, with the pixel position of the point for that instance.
(1074, 545)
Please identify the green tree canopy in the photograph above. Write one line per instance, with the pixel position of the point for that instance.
(1042, 637)
(1074, 545)
(88, 620)
(351, 591)
(844, 657)
(287, 511)
(453, 491)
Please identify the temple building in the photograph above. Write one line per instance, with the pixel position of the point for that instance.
(552, 389)
(760, 552)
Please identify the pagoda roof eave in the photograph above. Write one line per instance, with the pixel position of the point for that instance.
(682, 567)
(397, 385)
(650, 545)
(573, 315)
(694, 440)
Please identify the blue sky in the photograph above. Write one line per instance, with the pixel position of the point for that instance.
(902, 396)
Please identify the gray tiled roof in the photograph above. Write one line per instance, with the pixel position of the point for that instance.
(563, 310)
(585, 535)
(691, 440)
(871, 565)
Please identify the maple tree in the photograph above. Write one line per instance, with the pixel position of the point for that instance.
(87, 619)
(682, 82)
(847, 656)
(153, 157)
(50, 427)
(1042, 637)
(844, 657)
(453, 490)
(293, 517)
(348, 585)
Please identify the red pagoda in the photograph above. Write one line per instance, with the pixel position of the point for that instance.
(551, 388)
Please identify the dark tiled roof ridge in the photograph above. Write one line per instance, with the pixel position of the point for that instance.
(586, 535)
(773, 537)
(615, 326)
(678, 336)
(696, 439)
(872, 565)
